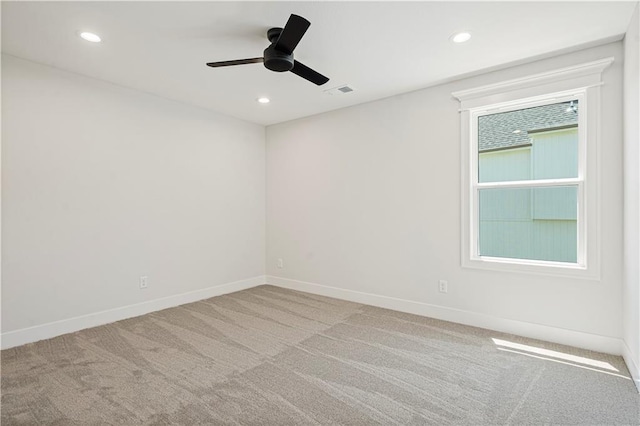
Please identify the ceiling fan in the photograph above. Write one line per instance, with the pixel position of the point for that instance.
(279, 55)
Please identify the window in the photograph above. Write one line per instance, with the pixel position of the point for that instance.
(527, 189)
(529, 173)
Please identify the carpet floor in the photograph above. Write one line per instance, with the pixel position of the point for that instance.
(270, 356)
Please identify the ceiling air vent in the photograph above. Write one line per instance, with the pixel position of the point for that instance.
(340, 90)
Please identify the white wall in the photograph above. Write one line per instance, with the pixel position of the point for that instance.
(103, 184)
(631, 285)
(366, 200)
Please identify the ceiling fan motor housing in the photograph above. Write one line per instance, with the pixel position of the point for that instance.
(274, 59)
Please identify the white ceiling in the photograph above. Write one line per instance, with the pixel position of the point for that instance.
(379, 48)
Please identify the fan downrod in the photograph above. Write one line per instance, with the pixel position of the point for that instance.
(273, 34)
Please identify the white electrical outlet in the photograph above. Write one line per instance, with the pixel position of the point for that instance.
(443, 286)
(280, 263)
(144, 281)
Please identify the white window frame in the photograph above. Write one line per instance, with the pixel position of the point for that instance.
(581, 82)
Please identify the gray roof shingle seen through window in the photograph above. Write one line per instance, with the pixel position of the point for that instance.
(495, 131)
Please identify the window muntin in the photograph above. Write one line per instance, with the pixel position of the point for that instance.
(527, 191)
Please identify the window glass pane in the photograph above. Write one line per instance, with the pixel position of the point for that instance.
(529, 223)
(531, 143)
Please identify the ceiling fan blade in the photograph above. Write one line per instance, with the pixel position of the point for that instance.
(235, 62)
(308, 74)
(292, 33)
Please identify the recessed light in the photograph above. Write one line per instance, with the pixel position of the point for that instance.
(93, 38)
(264, 100)
(516, 131)
(460, 37)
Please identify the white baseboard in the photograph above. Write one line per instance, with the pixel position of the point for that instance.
(633, 367)
(574, 338)
(46, 331)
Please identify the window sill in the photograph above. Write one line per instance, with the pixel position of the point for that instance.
(519, 266)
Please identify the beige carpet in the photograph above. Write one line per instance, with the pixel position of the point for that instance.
(269, 356)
